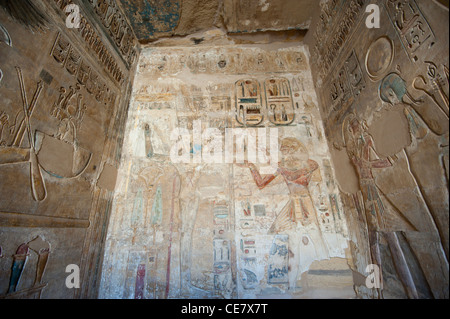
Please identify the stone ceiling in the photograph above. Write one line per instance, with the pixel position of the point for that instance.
(156, 19)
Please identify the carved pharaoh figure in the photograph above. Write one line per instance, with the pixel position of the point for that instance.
(299, 215)
(380, 218)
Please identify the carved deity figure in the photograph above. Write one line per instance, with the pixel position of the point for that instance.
(428, 128)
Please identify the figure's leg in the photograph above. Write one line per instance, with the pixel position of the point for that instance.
(401, 265)
(375, 255)
(189, 217)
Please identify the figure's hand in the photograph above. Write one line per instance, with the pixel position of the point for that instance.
(393, 159)
(243, 165)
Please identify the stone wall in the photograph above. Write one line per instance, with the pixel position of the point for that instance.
(383, 95)
(64, 96)
(153, 20)
(211, 227)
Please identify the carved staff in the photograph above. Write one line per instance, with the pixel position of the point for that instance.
(37, 181)
(21, 131)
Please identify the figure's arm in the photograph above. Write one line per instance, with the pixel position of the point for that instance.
(12, 155)
(305, 173)
(378, 163)
(313, 166)
(381, 163)
(260, 181)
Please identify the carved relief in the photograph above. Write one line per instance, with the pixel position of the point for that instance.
(69, 109)
(61, 49)
(73, 62)
(403, 134)
(121, 32)
(119, 29)
(435, 85)
(222, 267)
(238, 61)
(410, 24)
(348, 85)
(285, 211)
(380, 217)
(42, 249)
(65, 54)
(422, 116)
(393, 90)
(72, 159)
(279, 101)
(14, 153)
(355, 75)
(333, 30)
(279, 261)
(249, 107)
(379, 58)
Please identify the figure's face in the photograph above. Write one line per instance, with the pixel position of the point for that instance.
(392, 97)
(293, 156)
(287, 149)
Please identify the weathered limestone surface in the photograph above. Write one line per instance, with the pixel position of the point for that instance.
(153, 19)
(213, 230)
(63, 103)
(115, 149)
(384, 99)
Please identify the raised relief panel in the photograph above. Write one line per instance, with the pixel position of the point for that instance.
(58, 115)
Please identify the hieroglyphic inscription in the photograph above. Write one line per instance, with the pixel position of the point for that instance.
(333, 31)
(94, 41)
(279, 101)
(64, 53)
(410, 24)
(348, 85)
(118, 27)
